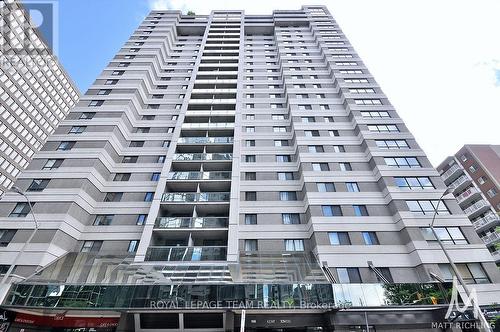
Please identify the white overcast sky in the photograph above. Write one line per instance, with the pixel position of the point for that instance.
(438, 61)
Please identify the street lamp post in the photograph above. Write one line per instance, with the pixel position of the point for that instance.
(484, 323)
(25, 245)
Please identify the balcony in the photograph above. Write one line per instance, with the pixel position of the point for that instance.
(477, 208)
(205, 140)
(496, 256)
(203, 156)
(486, 222)
(196, 197)
(491, 238)
(208, 125)
(452, 173)
(188, 222)
(459, 183)
(186, 254)
(467, 195)
(199, 175)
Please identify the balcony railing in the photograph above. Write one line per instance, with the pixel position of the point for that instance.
(222, 175)
(467, 194)
(194, 222)
(210, 125)
(186, 254)
(476, 207)
(205, 140)
(451, 171)
(459, 182)
(202, 156)
(196, 197)
(486, 220)
(493, 237)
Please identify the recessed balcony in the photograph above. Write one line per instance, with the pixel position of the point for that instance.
(191, 222)
(468, 195)
(205, 140)
(487, 221)
(203, 156)
(491, 238)
(186, 254)
(477, 208)
(199, 175)
(460, 183)
(452, 173)
(196, 197)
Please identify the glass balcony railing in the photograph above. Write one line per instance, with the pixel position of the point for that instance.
(188, 222)
(205, 140)
(222, 175)
(196, 197)
(202, 156)
(183, 254)
(211, 125)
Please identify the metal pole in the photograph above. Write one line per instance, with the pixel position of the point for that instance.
(485, 326)
(25, 245)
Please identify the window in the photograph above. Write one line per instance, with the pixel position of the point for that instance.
(148, 197)
(325, 186)
(250, 196)
(392, 144)
(66, 145)
(402, 162)
(285, 176)
(279, 129)
(331, 210)
(161, 159)
(121, 177)
(320, 167)
(132, 246)
(427, 207)
(382, 128)
(113, 197)
(129, 159)
(482, 179)
(315, 148)
(250, 176)
(38, 185)
(333, 133)
(20, 210)
(111, 82)
(370, 238)
(166, 144)
(492, 192)
(141, 219)
(52, 163)
(345, 167)
(136, 144)
(250, 129)
(155, 176)
(367, 101)
(472, 273)
(91, 246)
(324, 107)
(250, 219)
(290, 218)
(360, 210)
(449, 235)
(87, 115)
(307, 119)
(250, 158)
(250, 117)
(328, 119)
(104, 92)
(77, 129)
(103, 219)
(413, 182)
(338, 148)
(282, 142)
(251, 245)
(152, 117)
(6, 235)
(249, 143)
(283, 158)
(352, 187)
(339, 238)
(305, 107)
(96, 103)
(375, 114)
(348, 275)
(386, 273)
(463, 157)
(278, 117)
(288, 196)
(143, 130)
(294, 245)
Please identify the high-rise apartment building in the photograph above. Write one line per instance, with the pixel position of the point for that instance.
(35, 92)
(473, 176)
(229, 170)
